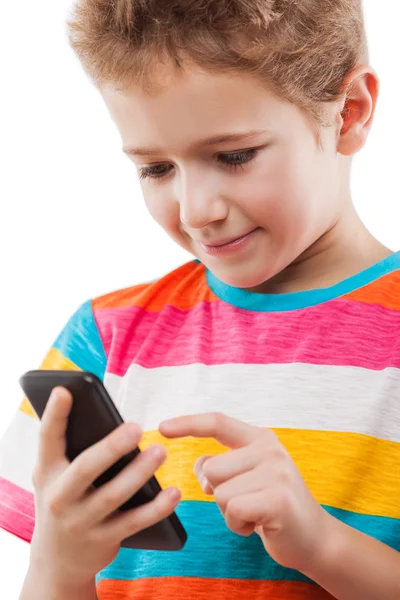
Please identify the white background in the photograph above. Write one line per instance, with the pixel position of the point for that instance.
(73, 224)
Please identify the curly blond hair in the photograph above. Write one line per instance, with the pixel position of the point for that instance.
(302, 49)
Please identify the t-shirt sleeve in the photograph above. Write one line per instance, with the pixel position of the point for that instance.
(78, 347)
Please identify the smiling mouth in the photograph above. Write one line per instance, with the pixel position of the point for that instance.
(228, 245)
(229, 242)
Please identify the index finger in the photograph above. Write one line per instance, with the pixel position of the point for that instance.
(52, 441)
(226, 430)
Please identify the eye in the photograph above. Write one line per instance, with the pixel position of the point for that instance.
(237, 159)
(232, 160)
(155, 171)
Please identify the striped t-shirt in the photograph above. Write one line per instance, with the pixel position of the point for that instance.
(321, 368)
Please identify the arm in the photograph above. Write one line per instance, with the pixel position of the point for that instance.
(354, 565)
(38, 587)
(258, 488)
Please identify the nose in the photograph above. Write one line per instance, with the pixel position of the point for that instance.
(200, 200)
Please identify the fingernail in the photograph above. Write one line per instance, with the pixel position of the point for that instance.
(204, 483)
(158, 452)
(196, 469)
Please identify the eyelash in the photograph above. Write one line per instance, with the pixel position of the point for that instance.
(240, 158)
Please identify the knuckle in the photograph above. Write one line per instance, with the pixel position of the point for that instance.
(133, 525)
(161, 508)
(37, 477)
(216, 416)
(216, 420)
(268, 439)
(144, 469)
(149, 514)
(45, 429)
(285, 476)
(271, 435)
(55, 505)
(209, 469)
(277, 452)
(136, 523)
(117, 442)
(110, 500)
(82, 470)
(233, 510)
(220, 496)
(73, 527)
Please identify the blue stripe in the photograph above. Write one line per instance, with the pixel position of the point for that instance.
(384, 529)
(247, 300)
(80, 342)
(213, 551)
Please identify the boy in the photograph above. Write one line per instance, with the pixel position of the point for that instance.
(271, 363)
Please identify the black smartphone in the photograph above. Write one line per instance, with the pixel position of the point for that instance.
(93, 416)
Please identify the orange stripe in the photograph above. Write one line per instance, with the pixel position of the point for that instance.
(183, 288)
(384, 292)
(186, 286)
(174, 588)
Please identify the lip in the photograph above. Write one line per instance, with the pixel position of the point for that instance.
(230, 245)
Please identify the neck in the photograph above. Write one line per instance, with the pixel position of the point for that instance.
(346, 249)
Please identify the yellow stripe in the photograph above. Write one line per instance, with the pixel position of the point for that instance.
(343, 470)
(53, 361)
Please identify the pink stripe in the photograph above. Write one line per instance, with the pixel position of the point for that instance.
(340, 332)
(17, 510)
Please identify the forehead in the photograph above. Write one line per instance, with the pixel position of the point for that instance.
(194, 103)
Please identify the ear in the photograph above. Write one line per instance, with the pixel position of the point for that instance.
(356, 115)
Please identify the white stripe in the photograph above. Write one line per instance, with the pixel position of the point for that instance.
(112, 383)
(343, 399)
(18, 450)
(328, 398)
(20, 443)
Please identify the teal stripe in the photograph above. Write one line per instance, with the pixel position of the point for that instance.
(384, 529)
(247, 300)
(213, 551)
(80, 342)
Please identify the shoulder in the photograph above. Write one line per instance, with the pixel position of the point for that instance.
(382, 293)
(86, 340)
(131, 320)
(182, 288)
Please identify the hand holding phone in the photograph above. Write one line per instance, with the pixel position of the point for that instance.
(79, 528)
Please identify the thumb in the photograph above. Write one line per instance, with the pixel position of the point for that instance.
(53, 428)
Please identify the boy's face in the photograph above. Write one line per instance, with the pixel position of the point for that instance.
(272, 193)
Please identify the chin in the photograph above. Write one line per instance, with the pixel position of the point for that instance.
(247, 279)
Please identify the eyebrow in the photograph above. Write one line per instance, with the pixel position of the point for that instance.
(213, 141)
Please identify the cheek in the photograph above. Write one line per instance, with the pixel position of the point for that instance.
(162, 208)
(301, 209)
(276, 195)
(165, 211)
